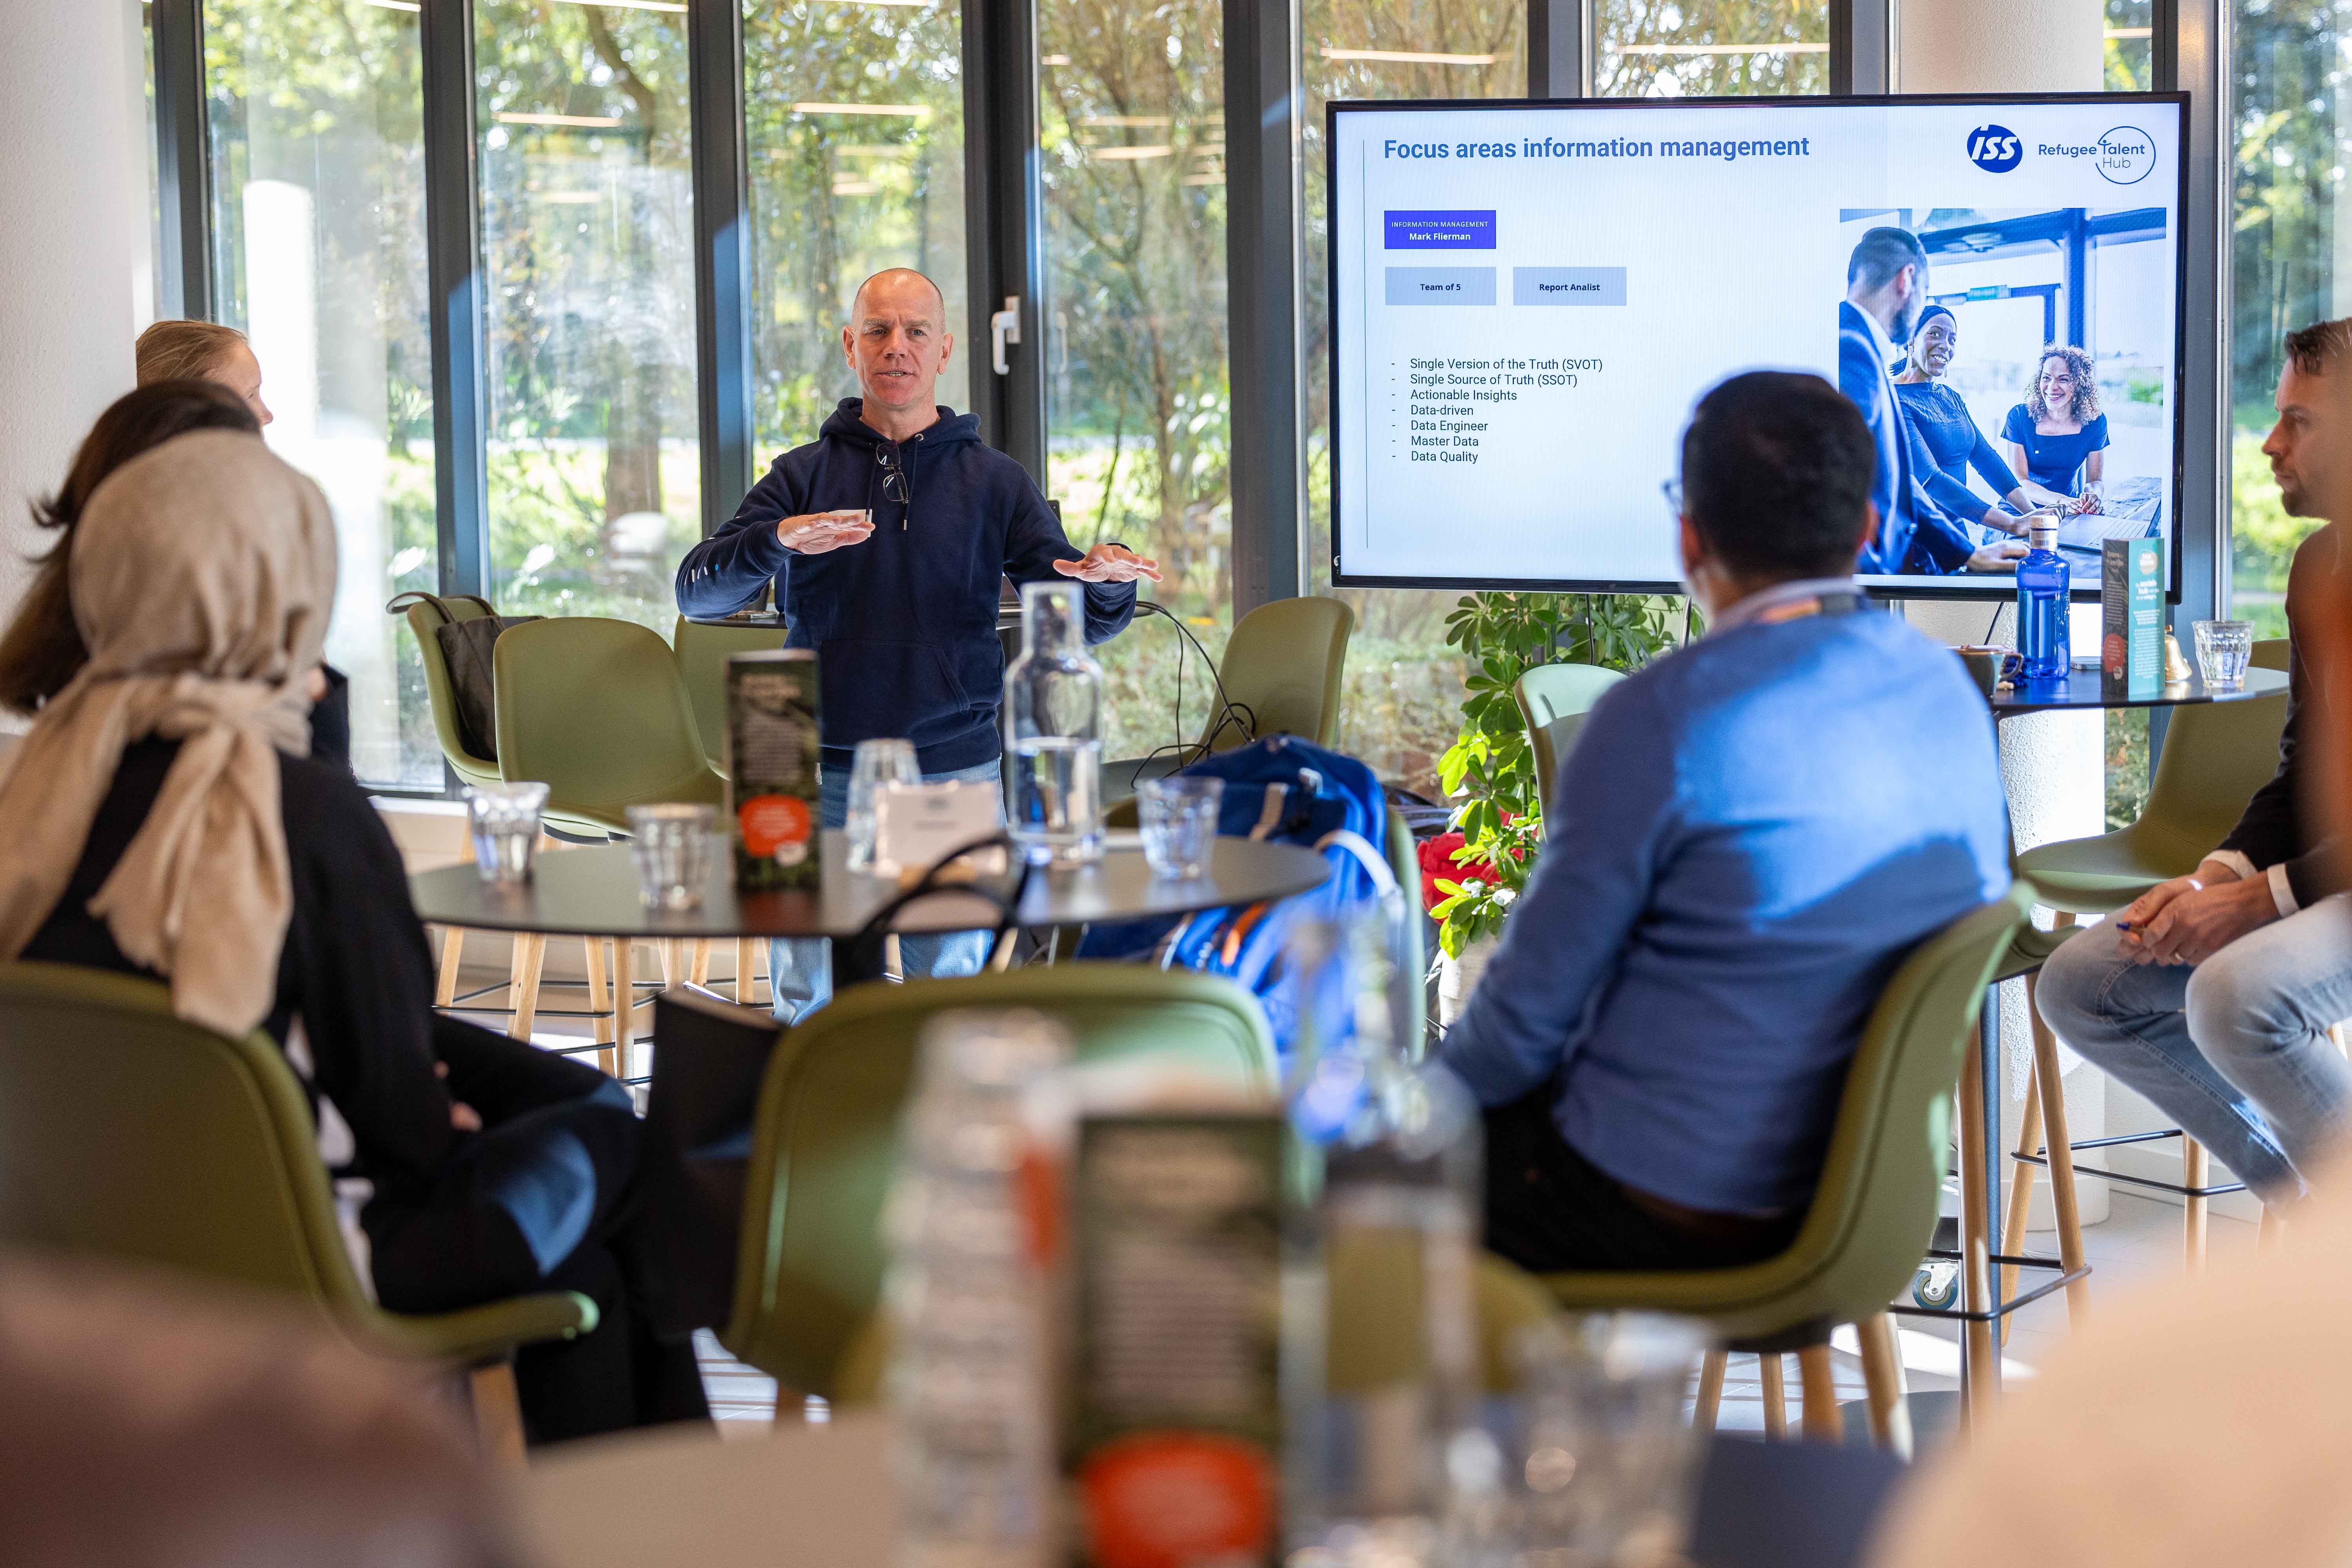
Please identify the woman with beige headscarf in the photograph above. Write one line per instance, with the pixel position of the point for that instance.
(161, 818)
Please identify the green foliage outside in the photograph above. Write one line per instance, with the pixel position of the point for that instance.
(1490, 767)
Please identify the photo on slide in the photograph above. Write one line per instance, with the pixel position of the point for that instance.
(2033, 374)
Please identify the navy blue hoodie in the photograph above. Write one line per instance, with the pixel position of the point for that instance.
(904, 624)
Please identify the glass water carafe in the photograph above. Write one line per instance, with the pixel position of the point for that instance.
(1053, 730)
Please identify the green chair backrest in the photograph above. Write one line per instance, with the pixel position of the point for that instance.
(702, 650)
(825, 1138)
(596, 710)
(130, 1133)
(1554, 700)
(1875, 1206)
(423, 618)
(2215, 756)
(2273, 653)
(1286, 663)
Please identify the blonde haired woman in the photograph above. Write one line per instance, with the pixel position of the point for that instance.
(203, 350)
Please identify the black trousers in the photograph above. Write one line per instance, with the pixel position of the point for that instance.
(1551, 1210)
(540, 1199)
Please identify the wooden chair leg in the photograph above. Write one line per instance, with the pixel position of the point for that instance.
(2021, 1191)
(498, 1414)
(1824, 1422)
(530, 958)
(599, 1026)
(624, 1007)
(1710, 1390)
(2057, 1137)
(2194, 1173)
(1882, 1375)
(1981, 1354)
(698, 967)
(746, 987)
(1776, 1398)
(673, 960)
(453, 952)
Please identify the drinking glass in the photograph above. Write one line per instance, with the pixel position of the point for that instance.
(2222, 649)
(1179, 817)
(504, 818)
(1590, 1465)
(671, 846)
(874, 765)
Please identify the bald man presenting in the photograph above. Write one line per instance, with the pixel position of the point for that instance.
(885, 538)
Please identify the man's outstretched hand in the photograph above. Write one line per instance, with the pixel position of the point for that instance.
(1109, 564)
(820, 532)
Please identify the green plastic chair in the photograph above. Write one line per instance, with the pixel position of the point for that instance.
(594, 709)
(423, 618)
(1286, 662)
(702, 650)
(826, 1134)
(1875, 1206)
(129, 1133)
(1555, 700)
(2216, 755)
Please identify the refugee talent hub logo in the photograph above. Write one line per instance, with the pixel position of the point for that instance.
(1995, 148)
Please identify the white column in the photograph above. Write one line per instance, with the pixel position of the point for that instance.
(2053, 765)
(73, 247)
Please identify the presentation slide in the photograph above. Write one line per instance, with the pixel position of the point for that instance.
(1527, 300)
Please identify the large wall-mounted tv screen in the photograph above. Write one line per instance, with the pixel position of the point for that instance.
(1526, 300)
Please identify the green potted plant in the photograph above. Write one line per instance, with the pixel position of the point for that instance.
(1489, 769)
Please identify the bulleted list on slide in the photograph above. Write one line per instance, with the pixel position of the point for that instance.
(1445, 408)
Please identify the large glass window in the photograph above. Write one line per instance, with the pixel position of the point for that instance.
(1403, 705)
(854, 112)
(317, 229)
(1710, 48)
(2130, 33)
(1132, 169)
(593, 482)
(2286, 230)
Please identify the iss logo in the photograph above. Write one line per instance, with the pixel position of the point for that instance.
(1995, 148)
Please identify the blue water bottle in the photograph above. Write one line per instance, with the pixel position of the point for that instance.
(2042, 606)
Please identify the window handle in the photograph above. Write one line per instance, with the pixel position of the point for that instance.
(1005, 327)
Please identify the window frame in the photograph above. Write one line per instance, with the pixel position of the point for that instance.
(1005, 261)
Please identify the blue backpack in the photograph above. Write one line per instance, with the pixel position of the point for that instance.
(1288, 790)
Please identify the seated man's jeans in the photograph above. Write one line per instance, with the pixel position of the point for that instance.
(2235, 1049)
(800, 969)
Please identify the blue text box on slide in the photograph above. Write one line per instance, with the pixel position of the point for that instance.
(1568, 284)
(1439, 231)
(1441, 285)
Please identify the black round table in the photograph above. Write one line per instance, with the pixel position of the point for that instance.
(592, 891)
(2084, 690)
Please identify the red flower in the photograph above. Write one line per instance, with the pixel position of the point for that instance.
(1436, 856)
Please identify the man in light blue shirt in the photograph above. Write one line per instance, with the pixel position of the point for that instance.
(1749, 836)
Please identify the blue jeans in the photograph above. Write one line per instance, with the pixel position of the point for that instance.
(800, 969)
(2235, 1049)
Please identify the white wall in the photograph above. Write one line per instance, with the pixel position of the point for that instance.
(73, 245)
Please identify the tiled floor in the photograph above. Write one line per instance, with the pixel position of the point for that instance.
(2137, 1247)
